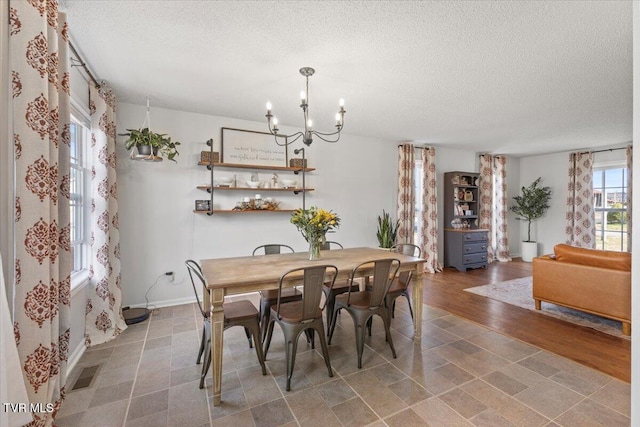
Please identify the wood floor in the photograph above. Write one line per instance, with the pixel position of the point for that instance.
(606, 353)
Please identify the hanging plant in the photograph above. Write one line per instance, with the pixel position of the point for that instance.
(147, 142)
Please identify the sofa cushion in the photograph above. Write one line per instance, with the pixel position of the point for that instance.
(593, 257)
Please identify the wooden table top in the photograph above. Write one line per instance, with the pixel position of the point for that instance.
(251, 273)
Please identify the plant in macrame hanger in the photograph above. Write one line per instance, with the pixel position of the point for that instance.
(150, 146)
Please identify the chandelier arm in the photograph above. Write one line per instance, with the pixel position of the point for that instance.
(276, 134)
(322, 136)
(315, 132)
(295, 137)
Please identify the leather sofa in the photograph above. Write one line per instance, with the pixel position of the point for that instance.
(590, 280)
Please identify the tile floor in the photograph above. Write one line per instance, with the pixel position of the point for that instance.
(462, 374)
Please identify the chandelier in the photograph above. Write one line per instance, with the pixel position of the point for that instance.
(309, 133)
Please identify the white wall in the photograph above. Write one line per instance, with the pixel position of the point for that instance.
(355, 177)
(553, 168)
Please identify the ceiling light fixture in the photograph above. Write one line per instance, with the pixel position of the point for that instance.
(309, 133)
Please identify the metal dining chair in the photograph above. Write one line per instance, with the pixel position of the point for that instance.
(238, 313)
(400, 286)
(363, 305)
(338, 288)
(296, 317)
(270, 297)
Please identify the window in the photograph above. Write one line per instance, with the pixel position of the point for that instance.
(80, 193)
(610, 200)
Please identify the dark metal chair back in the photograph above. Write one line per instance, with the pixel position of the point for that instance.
(273, 249)
(194, 269)
(328, 244)
(408, 249)
(384, 271)
(313, 280)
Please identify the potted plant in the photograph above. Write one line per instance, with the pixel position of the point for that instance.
(147, 142)
(387, 230)
(530, 205)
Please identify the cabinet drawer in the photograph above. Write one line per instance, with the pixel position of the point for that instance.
(474, 258)
(475, 237)
(472, 248)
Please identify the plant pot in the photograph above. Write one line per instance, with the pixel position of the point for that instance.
(145, 150)
(529, 250)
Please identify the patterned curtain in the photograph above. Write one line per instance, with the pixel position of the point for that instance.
(629, 193)
(104, 319)
(580, 229)
(41, 124)
(429, 211)
(406, 198)
(485, 210)
(501, 250)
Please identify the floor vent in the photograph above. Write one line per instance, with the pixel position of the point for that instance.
(86, 377)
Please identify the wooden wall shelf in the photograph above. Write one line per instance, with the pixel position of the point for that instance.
(231, 211)
(258, 167)
(207, 188)
(211, 188)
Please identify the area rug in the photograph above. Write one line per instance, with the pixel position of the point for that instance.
(518, 292)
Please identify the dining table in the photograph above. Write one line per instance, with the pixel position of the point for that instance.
(239, 275)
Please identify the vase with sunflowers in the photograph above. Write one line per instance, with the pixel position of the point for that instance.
(314, 223)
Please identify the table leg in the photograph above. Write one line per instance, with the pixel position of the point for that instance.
(217, 328)
(416, 292)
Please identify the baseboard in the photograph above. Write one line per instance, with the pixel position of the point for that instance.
(171, 302)
(74, 358)
(166, 303)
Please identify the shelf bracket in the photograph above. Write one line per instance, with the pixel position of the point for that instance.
(210, 190)
(304, 184)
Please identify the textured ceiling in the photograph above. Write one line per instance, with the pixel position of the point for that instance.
(516, 77)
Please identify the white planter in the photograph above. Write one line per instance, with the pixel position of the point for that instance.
(529, 250)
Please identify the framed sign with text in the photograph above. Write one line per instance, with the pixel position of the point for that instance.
(251, 148)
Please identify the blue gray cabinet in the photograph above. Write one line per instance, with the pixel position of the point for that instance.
(465, 249)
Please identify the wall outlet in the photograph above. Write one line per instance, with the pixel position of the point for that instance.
(170, 275)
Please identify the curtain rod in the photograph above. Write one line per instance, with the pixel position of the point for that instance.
(83, 65)
(418, 146)
(602, 151)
